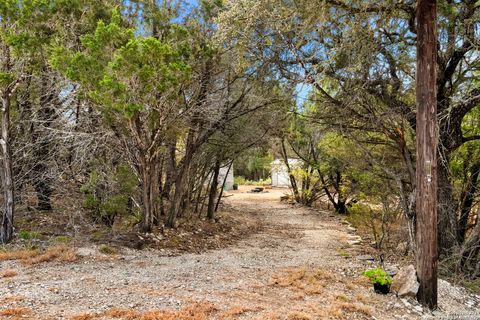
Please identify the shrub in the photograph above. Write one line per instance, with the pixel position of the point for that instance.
(378, 276)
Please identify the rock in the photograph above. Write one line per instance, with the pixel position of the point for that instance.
(354, 242)
(366, 257)
(351, 229)
(391, 270)
(405, 283)
(86, 252)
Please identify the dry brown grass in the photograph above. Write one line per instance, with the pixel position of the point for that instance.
(237, 311)
(271, 316)
(58, 253)
(8, 274)
(298, 316)
(195, 311)
(126, 314)
(344, 310)
(15, 312)
(18, 254)
(12, 298)
(29, 257)
(363, 298)
(308, 281)
(83, 316)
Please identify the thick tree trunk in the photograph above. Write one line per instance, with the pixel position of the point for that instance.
(180, 185)
(426, 175)
(213, 191)
(149, 192)
(6, 228)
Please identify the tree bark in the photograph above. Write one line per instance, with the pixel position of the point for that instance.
(149, 191)
(426, 175)
(213, 191)
(293, 182)
(6, 230)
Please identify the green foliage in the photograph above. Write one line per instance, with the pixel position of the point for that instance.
(123, 73)
(240, 180)
(107, 194)
(378, 276)
(63, 239)
(105, 249)
(28, 235)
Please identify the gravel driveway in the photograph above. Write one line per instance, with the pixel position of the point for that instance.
(298, 266)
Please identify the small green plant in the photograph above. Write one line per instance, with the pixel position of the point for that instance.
(378, 276)
(63, 239)
(28, 235)
(105, 249)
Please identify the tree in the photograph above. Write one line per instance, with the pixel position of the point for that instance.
(426, 127)
(134, 82)
(358, 56)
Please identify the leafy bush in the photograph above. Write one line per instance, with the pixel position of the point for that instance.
(108, 192)
(241, 181)
(378, 276)
(28, 235)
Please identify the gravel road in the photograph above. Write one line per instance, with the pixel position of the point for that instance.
(298, 266)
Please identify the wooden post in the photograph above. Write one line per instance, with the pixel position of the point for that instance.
(426, 175)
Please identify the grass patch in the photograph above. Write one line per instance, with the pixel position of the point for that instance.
(119, 313)
(63, 239)
(18, 254)
(28, 235)
(298, 316)
(105, 249)
(343, 253)
(339, 308)
(15, 312)
(310, 282)
(8, 274)
(29, 257)
(83, 316)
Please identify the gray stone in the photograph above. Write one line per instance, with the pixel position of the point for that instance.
(354, 242)
(366, 257)
(405, 283)
(86, 252)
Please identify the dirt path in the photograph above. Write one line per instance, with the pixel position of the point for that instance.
(298, 267)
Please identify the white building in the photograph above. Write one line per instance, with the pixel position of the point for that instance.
(221, 176)
(280, 177)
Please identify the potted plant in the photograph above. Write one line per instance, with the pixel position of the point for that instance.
(380, 279)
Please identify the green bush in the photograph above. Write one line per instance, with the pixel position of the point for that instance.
(63, 239)
(28, 235)
(241, 181)
(108, 191)
(378, 276)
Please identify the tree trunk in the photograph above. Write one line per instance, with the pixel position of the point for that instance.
(182, 172)
(213, 191)
(293, 182)
(426, 175)
(223, 186)
(6, 228)
(149, 189)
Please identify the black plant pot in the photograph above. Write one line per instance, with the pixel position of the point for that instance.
(381, 288)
